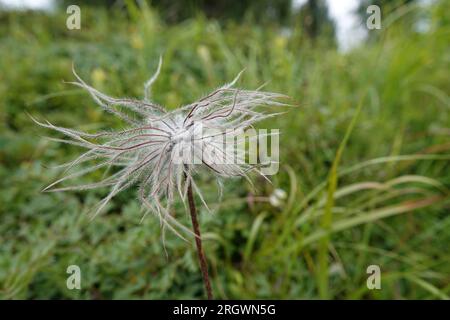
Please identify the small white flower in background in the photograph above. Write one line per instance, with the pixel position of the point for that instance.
(277, 197)
(337, 269)
(147, 154)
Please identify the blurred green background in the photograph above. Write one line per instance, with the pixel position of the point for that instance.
(383, 201)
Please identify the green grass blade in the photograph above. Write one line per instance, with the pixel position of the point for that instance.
(327, 219)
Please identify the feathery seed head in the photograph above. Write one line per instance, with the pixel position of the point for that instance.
(162, 150)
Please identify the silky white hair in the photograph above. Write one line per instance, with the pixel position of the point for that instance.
(146, 153)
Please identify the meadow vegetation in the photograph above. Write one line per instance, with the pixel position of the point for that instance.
(382, 199)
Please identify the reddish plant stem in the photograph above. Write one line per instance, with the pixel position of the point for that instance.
(198, 243)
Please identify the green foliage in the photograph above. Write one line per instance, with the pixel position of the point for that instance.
(175, 11)
(387, 205)
(316, 22)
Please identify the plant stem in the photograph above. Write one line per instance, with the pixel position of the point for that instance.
(198, 243)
